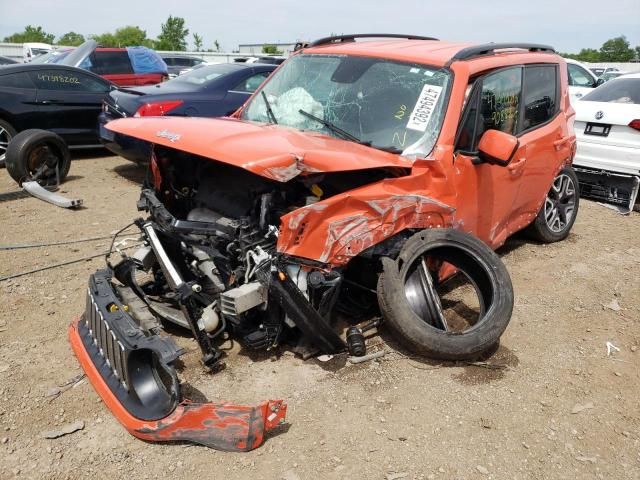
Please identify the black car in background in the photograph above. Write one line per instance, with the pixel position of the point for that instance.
(177, 63)
(7, 61)
(64, 100)
(208, 91)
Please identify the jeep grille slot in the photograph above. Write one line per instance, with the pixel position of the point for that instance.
(110, 349)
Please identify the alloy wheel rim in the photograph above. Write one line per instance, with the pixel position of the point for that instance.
(5, 137)
(424, 295)
(559, 206)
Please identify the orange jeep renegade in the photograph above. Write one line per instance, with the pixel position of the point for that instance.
(362, 178)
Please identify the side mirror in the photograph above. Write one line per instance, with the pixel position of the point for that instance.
(497, 147)
(599, 82)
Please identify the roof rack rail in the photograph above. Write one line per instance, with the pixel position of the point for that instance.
(490, 48)
(351, 38)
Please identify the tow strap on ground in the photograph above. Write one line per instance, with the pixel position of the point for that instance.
(18, 246)
(61, 264)
(36, 190)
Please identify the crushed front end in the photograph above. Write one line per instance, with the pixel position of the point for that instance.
(226, 252)
(207, 262)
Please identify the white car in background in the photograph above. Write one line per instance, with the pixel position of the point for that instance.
(581, 80)
(31, 50)
(607, 127)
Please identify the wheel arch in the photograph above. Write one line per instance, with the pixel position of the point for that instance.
(342, 227)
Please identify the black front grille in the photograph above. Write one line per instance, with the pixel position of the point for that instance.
(136, 365)
(104, 338)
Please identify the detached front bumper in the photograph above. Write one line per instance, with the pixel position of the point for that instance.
(134, 375)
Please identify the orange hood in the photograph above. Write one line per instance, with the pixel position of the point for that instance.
(272, 151)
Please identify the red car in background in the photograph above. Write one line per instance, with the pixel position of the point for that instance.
(126, 67)
(115, 65)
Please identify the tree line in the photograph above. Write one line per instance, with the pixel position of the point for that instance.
(616, 49)
(173, 36)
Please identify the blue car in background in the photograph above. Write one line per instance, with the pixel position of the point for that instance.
(209, 91)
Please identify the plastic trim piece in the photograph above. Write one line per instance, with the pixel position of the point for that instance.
(490, 48)
(36, 190)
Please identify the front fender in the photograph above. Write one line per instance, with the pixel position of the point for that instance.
(337, 229)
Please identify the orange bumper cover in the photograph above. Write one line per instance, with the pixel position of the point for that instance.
(221, 426)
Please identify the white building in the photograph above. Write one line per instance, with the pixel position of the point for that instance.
(256, 48)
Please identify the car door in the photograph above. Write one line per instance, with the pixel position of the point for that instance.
(242, 90)
(581, 81)
(543, 136)
(488, 191)
(69, 102)
(17, 101)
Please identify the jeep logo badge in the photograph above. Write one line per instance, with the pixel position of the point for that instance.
(172, 137)
(599, 114)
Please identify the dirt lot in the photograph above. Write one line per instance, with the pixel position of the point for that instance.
(558, 408)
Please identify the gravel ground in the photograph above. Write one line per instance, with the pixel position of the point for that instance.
(554, 405)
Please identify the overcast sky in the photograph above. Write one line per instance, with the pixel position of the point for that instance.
(567, 25)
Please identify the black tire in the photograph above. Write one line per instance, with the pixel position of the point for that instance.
(482, 267)
(564, 198)
(31, 149)
(7, 132)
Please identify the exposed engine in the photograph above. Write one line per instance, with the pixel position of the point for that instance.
(217, 226)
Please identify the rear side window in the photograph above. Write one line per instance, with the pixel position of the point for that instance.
(621, 90)
(540, 95)
(185, 62)
(69, 81)
(578, 76)
(110, 63)
(16, 80)
(250, 84)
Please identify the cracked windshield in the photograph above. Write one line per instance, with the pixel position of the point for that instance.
(391, 106)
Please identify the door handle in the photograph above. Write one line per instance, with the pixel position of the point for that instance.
(49, 102)
(559, 143)
(513, 167)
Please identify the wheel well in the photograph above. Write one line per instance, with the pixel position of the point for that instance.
(5, 117)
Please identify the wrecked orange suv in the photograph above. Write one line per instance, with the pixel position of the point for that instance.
(365, 184)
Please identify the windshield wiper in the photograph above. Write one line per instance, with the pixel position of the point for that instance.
(270, 113)
(337, 130)
(389, 149)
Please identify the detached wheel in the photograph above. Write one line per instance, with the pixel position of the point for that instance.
(7, 132)
(34, 155)
(453, 318)
(558, 213)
